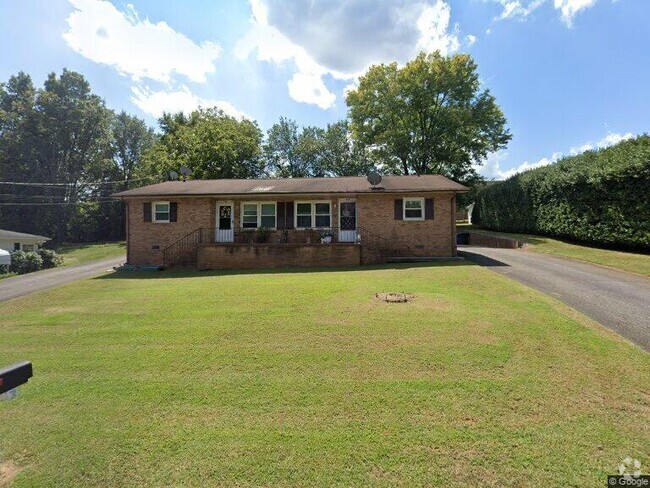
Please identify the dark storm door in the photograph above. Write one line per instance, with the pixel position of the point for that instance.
(347, 221)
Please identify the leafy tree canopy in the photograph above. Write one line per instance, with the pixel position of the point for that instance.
(313, 151)
(71, 149)
(211, 143)
(429, 116)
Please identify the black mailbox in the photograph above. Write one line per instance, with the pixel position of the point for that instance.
(15, 375)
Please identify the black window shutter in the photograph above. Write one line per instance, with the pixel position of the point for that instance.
(428, 209)
(146, 206)
(289, 215)
(399, 206)
(280, 220)
(173, 211)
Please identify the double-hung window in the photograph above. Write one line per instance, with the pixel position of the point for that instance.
(161, 211)
(256, 215)
(414, 209)
(311, 215)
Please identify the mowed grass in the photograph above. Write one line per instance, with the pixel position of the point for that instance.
(86, 252)
(623, 260)
(306, 379)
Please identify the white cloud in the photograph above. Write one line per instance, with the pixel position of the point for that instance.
(353, 85)
(433, 25)
(138, 48)
(492, 166)
(609, 140)
(306, 85)
(515, 9)
(179, 99)
(470, 39)
(341, 41)
(521, 9)
(569, 8)
(142, 50)
(309, 88)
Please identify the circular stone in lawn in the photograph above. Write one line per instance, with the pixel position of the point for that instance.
(394, 297)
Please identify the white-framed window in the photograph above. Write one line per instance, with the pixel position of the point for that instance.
(160, 212)
(258, 214)
(414, 209)
(313, 215)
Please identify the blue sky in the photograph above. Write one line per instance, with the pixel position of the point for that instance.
(569, 74)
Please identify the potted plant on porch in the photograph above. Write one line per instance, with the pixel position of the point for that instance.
(326, 236)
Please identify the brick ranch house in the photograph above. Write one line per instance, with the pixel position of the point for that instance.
(220, 224)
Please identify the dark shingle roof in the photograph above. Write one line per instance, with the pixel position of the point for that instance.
(10, 234)
(348, 184)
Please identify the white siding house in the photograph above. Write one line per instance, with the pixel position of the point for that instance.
(18, 241)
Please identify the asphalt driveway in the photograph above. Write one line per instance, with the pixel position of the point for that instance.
(19, 286)
(615, 299)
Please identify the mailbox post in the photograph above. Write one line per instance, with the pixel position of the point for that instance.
(12, 377)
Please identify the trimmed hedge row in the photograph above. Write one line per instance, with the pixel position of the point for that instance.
(597, 197)
(27, 262)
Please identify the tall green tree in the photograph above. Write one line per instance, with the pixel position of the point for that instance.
(131, 139)
(430, 116)
(211, 143)
(16, 112)
(280, 153)
(71, 140)
(59, 135)
(293, 152)
(342, 156)
(310, 150)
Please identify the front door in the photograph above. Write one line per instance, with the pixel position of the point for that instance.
(347, 221)
(225, 216)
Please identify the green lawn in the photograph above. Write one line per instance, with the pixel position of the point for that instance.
(83, 253)
(306, 379)
(626, 261)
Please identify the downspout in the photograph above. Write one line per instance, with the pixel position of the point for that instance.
(453, 226)
(128, 233)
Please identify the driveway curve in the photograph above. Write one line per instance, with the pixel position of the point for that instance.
(620, 301)
(22, 285)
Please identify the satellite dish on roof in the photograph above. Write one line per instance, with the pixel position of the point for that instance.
(173, 175)
(185, 171)
(374, 178)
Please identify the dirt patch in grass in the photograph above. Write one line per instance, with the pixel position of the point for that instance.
(394, 297)
(8, 471)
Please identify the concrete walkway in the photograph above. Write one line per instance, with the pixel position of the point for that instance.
(19, 286)
(615, 299)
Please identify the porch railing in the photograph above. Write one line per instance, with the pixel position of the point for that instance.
(184, 251)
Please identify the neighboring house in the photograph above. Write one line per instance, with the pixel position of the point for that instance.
(18, 241)
(216, 224)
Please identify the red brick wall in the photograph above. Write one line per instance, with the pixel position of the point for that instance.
(375, 213)
(144, 236)
(424, 238)
(246, 256)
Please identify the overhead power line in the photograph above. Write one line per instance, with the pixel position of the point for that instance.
(59, 198)
(91, 183)
(52, 204)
